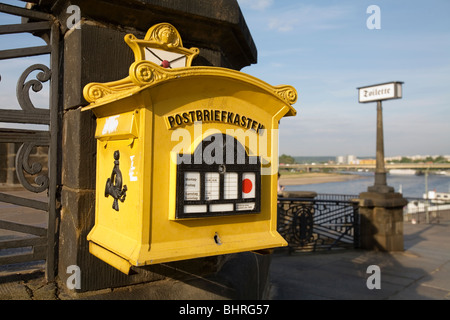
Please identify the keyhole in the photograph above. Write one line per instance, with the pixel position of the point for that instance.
(217, 239)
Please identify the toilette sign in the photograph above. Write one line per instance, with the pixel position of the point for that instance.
(383, 91)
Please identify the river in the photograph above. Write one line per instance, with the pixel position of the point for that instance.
(411, 186)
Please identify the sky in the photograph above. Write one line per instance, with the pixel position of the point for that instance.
(11, 69)
(326, 50)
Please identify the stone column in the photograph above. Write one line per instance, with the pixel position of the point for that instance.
(381, 209)
(380, 184)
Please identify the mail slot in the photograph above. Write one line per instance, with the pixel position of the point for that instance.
(186, 158)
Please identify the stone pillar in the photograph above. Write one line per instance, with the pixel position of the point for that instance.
(97, 44)
(381, 209)
(380, 184)
(381, 217)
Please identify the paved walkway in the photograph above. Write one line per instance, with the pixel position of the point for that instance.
(421, 272)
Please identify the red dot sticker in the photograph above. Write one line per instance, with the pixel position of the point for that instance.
(247, 186)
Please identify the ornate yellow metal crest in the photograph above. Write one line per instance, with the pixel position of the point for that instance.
(162, 45)
(160, 56)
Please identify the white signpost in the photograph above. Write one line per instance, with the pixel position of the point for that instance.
(378, 93)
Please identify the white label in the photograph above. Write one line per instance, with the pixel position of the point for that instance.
(245, 206)
(192, 186)
(195, 208)
(212, 186)
(221, 207)
(230, 185)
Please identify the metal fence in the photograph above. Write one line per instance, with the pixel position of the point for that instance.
(322, 223)
(421, 210)
(331, 221)
(30, 242)
(334, 197)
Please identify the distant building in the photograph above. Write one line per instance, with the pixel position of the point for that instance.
(395, 158)
(340, 159)
(367, 161)
(351, 159)
(348, 159)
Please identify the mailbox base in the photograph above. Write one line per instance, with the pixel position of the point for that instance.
(109, 257)
(176, 251)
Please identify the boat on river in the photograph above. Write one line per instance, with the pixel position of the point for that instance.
(402, 172)
(438, 197)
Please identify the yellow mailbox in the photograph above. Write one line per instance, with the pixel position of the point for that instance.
(187, 157)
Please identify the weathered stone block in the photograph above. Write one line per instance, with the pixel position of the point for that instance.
(93, 53)
(79, 150)
(381, 221)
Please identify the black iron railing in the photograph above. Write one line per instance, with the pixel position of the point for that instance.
(421, 210)
(39, 242)
(315, 224)
(334, 197)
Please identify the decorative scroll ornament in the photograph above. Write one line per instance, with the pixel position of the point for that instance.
(96, 91)
(144, 73)
(99, 91)
(23, 167)
(22, 164)
(287, 93)
(23, 88)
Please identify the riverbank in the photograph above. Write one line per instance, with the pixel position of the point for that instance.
(315, 178)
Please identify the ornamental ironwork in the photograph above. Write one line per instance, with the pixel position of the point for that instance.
(36, 175)
(316, 224)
